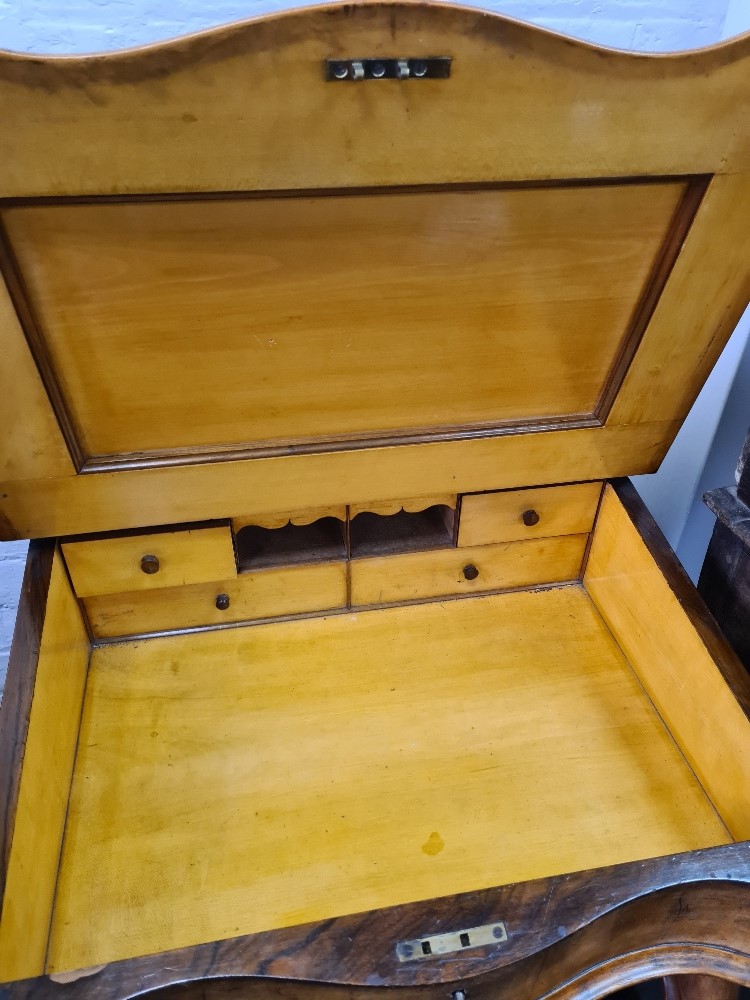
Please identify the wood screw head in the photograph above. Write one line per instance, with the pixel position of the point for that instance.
(222, 602)
(150, 564)
(530, 518)
(470, 572)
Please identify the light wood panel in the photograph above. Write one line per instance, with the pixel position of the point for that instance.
(108, 501)
(31, 443)
(521, 103)
(498, 517)
(699, 308)
(113, 565)
(568, 111)
(305, 319)
(672, 662)
(45, 783)
(440, 573)
(237, 780)
(263, 594)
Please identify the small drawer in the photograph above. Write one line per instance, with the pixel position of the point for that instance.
(445, 572)
(512, 515)
(267, 593)
(126, 563)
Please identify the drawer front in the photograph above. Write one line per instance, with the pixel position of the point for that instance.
(445, 572)
(265, 594)
(549, 510)
(150, 562)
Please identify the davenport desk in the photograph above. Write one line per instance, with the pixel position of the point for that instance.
(348, 664)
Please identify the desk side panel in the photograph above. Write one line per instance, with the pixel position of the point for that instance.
(685, 665)
(39, 723)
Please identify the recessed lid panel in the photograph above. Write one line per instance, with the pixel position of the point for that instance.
(235, 285)
(183, 330)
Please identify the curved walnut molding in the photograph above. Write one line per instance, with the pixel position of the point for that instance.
(588, 934)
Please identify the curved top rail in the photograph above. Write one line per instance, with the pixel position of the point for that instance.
(247, 107)
(185, 47)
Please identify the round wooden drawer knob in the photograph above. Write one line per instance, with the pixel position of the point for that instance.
(222, 602)
(150, 565)
(530, 518)
(471, 572)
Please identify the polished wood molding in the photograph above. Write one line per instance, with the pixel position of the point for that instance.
(580, 935)
(699, 988)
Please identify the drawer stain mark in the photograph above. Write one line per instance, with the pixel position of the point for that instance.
(434, 845)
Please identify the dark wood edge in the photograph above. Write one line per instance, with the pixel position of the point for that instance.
(15, 709)
(156, 529)
(731, 510)
(677, 233)
(347, 192)
(588, 931)
(684, 590)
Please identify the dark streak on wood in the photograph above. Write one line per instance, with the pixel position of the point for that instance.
(326, 444)
(19, 688)
(345, 192)
(690, 600)
(576, 935)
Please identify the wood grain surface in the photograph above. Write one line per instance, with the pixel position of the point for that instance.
(269, 593)
(679, 665)
(440, 573)
(571, 115)
(571, 937)
(499, 517)
(186, 556)
(55, 667)
(295, 772)
(232, 109)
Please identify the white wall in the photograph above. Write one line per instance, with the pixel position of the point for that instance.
(65, 26)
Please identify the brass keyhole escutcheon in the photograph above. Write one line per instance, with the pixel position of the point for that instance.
(150, 564)
(530, 518)
(471, 572)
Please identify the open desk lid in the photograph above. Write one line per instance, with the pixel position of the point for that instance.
(355, 253)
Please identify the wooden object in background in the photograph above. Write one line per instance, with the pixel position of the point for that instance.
(724, 582)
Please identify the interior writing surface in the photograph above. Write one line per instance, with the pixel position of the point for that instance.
(292, 772)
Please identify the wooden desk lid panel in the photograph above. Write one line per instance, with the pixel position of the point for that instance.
(248, 289)
(186, 329)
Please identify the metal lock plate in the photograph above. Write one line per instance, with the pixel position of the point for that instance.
(444, 944)
(419, 68)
